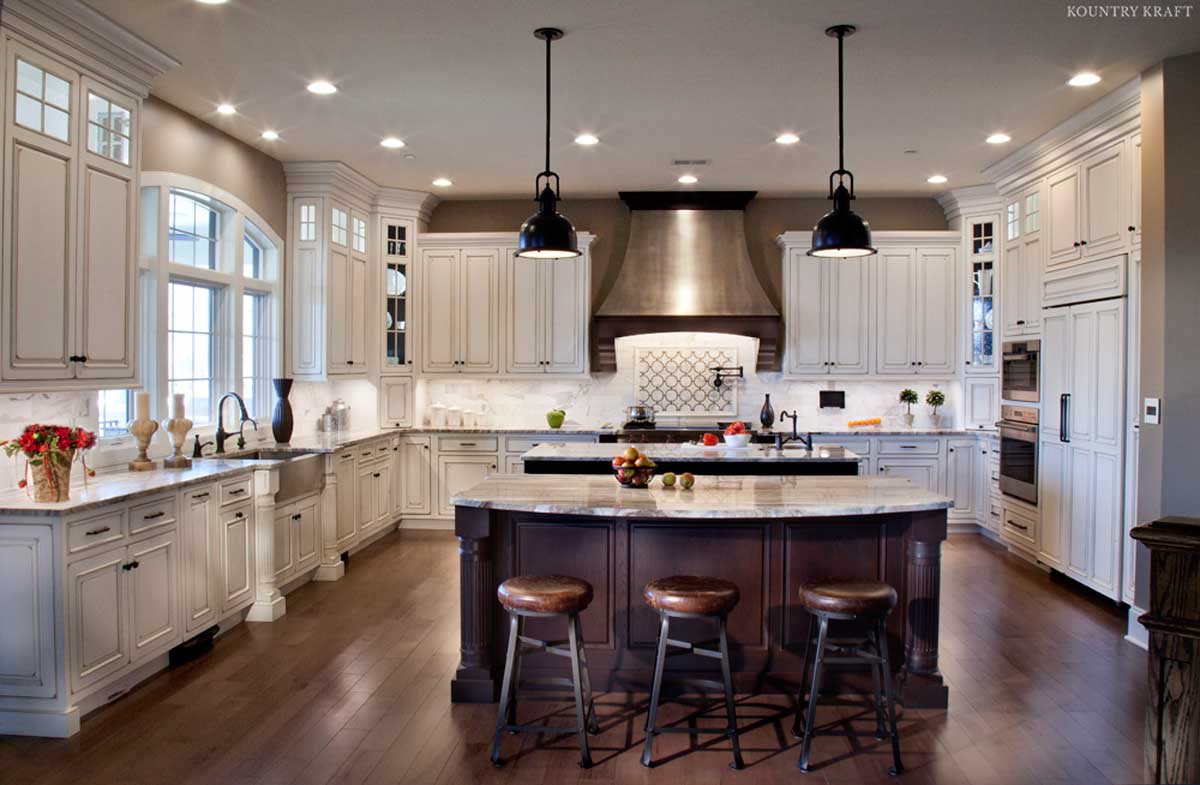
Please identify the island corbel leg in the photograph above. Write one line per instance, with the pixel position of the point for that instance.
(474, 682)
(921, 681)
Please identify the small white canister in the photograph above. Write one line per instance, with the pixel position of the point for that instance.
(437, 415)
(454, 417)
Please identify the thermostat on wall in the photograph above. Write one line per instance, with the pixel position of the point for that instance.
(832, 399)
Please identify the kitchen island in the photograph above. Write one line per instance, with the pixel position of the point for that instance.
(754, 459)
(766, 534)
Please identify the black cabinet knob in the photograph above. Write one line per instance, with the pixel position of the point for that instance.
(1131, 229)
(1083, 242)
(1076, 244)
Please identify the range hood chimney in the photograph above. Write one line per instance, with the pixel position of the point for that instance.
(686, 269)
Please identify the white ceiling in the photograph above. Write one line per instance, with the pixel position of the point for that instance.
(461, 82)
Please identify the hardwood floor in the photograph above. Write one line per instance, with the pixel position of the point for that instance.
(352, 686)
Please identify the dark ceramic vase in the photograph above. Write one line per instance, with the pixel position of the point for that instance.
(281, 420)
(767, 415)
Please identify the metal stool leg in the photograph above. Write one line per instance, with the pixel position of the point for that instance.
(515, 690)
(876, 669)
(593, 722)
(881, 637)
(506, 686)
(585, 755)
(808, 643)
(656, 689)
(731, 729)
(814, 693)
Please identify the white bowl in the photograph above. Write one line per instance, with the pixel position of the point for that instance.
(738, 439)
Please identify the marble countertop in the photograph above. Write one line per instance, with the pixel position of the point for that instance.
(696, 453)
(109, 487)
(712, 497)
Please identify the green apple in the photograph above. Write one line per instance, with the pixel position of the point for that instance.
(555, 417)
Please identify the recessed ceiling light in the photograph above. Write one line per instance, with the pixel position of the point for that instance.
(321, 87)
(1084, 79)
(270, 136)
(587, 140)
(443, 182)
(392, 143)
(226, 109)
(688, 179)
(787, 139)
(999, 138)
(937, 179)
(213, 2)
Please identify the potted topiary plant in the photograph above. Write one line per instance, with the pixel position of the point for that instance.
(908, 397)
(936, 399)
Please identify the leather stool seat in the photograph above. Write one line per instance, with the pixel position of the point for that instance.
(851, 598)
(545, 594)
(691, 594)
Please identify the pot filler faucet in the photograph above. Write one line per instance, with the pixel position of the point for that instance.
(223, 434)
(781, 440)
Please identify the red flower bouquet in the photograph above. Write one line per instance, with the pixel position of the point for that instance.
(49, 452)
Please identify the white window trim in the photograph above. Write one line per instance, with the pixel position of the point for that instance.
(154, 258)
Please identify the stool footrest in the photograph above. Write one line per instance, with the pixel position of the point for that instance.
(699, 648)
(692, 731)
(553, 729)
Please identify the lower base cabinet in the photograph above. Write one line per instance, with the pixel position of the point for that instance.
(416, 461)
(924, 472)
(962, 478)
(198, 524)
(236, 565)
(458, 472)
(297, 538)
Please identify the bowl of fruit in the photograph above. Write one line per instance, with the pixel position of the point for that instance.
(736, 435)
(633, 469)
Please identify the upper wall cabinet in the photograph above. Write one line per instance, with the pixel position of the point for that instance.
(982, 268)
(828, 314)
(1088, 207)
(70, 259)
(1021, 271)
(547, 307)
(460, 331)
(397, 238)
(917, 296)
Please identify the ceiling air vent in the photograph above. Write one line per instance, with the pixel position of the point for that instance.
(690, 161)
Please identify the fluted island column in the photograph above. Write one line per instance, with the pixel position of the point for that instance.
(473, 681)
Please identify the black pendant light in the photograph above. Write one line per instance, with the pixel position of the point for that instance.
(547, 234)
(841, 234)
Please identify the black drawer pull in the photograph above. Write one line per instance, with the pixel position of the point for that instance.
(908, 447)
(1016, 525)
(237, 491)
(466, 444)
(101, 530)
(153, 515)
(376, 474)
(200, 495)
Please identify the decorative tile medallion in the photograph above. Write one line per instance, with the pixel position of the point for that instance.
(679, 381)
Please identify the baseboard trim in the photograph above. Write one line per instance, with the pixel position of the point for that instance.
(1135, 633)
(427, 524)
(962, 527)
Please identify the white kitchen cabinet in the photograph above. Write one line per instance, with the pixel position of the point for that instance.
(345, 528)
(547, 314)
(1135, 190)
(417, 464)
(347, 296)
(461, 314)
(982, 403)
(197, 529)
(1088, 207)
(395, 401)
(283, 564)
(71, 162)
(98, 617)
(981, 301)
(828, 324)
(28, 649)
(922, 472)
(962, 461)
(1063, 226)
(153, 595)
(296, 538)
(396, 237)
(1082, 441)
(1020, 528)
(374, 502)
(1021, 269)
(236, 565)
(457, 472)
(916, 292)
(396, 493)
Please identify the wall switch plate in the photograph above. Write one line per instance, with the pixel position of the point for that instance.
(1151, 411)
(832, 399)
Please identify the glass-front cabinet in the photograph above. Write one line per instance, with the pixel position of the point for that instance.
(397, 238)
(981, 295)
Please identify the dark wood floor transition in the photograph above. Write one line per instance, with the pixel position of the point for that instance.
(352, 686)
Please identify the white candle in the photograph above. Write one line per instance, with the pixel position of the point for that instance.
(177, 406)
(143, 406)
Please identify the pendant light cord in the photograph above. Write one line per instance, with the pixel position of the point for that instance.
(548, 40)
(841, 112)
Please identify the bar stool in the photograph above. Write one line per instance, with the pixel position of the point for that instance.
(544, 596)
(692, 597)
(867, 601)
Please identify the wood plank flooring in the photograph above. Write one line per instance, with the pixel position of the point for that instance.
(352, 686)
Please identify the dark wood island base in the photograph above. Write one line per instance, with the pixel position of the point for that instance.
(767, 557)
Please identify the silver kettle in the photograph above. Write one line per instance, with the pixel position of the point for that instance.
(640, 413)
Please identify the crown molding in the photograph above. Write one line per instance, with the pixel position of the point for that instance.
(924, 237)
(970, 200)
(77, 32)
(1117, 113)
(336, 179)
(487, 239)
(404, 200)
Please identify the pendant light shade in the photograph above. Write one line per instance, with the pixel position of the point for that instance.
(842, 233)
(547, 234)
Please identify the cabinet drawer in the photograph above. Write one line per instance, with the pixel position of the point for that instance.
(468, 444)
(523, 444)
(995, 516)
(95, 530)
(1020, 528)
(237, 490)
(154, 514)
(910, 446)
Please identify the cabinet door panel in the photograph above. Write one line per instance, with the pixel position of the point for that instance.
(383, 492)
(418, 475)
(1030, 284)
(306, 533)
(357, 314)
(1064, 217)
(1055, 370)
(936, 304)
(153, 596)
(1082, 374)
(808, 314)
(1081, 519)
(365, 492)
(459, 472)
(1107, 483)
(1011, 283)
(1054, 486)
(346, 525)
(960, 477)
(340, 327)
(28, 649)
(1135, 189)
(921, 472)
(479, 315)
(107, 276)
(566, 296)
(1104, 229)
(895, 352)
(98, 636)
(283, 549)
(439, 338)
(395, 397)
(237, 563)
(526, 310)
(198, 552)
(983, 403)
(849, 298)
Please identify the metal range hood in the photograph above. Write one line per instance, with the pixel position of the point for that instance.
(686, 269)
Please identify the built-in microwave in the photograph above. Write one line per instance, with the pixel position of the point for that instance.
(1019, 373)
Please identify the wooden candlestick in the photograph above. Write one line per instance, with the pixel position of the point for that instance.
(143, 431)
(177, 427)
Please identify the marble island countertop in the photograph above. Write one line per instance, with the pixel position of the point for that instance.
(690, 453)
(109, 487)
(713, 497)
